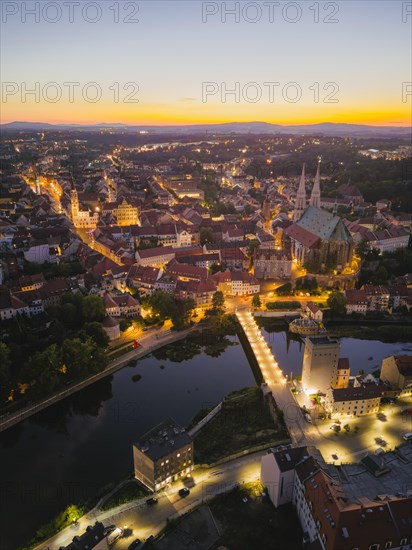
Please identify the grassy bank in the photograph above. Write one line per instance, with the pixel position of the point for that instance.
(384, 333)
(131, 491)
(243, 422)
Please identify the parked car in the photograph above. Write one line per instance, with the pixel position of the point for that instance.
(184, 492)
(407, 436)
(152, 501)
(379, 451)
(407, 411)
(136, 545)
(114, 535)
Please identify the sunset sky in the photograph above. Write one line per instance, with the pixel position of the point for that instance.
(170, 53)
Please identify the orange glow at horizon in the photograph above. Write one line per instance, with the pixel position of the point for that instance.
(205, 113)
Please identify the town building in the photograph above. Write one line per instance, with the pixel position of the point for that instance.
(320, 362)
(143, 277)
(271, 263)
(126, 214)
(314, 312)
(353, 401)
(236, 283)
(356, 301)
(349, 510)
(342, 373)
(162, 455)
(200, 291)
(396, 370)
(186, 272)
(123, 305)
(155, 257)
(82, 219)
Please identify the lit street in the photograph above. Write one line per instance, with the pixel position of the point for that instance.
(146, 520)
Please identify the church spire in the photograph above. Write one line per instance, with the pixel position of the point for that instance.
(315, 196)
(300, 203)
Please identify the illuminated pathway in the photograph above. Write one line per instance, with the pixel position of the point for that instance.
(275, 379)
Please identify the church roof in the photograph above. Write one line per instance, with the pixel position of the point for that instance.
(323, 224)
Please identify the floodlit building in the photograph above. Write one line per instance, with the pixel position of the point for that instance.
(354, 401)
(342, 373)
(320, 362)
(316, 234)
(270, 263)
(82, 219)
(162, 455)
(397, 371)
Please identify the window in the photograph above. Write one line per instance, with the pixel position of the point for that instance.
(388, 545)
(403, 541)
(374, 547)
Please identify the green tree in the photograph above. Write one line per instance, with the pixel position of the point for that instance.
(256, 302)
(218, 300)
(162, 304)
(44, 371)
(5, 364)
(214, 268)
(182, 313)
(93, 308)
(82, 358)
(362, 249)
(206, 235)
(95, 331)
(337, 302)
(284, 290)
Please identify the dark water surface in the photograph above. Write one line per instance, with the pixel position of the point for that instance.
(74, 448)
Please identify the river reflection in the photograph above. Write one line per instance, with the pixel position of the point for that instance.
(74, 448)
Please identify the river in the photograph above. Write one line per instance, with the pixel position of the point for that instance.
(74, 448)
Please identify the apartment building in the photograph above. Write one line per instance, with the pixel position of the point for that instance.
(162, 455)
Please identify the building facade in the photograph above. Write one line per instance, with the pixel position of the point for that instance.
(320, 363)
(397, 371)
(162, 455)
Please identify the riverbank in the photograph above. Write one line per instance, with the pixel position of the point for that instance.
(152, 343)
(244, 422)
(371, 330)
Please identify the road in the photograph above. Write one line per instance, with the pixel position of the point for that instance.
(146, 520)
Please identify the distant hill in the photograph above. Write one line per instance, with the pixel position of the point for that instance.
(325, 128)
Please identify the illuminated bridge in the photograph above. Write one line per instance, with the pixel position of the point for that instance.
(274, 377)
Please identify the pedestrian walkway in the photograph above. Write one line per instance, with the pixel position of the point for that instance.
(273, 376)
